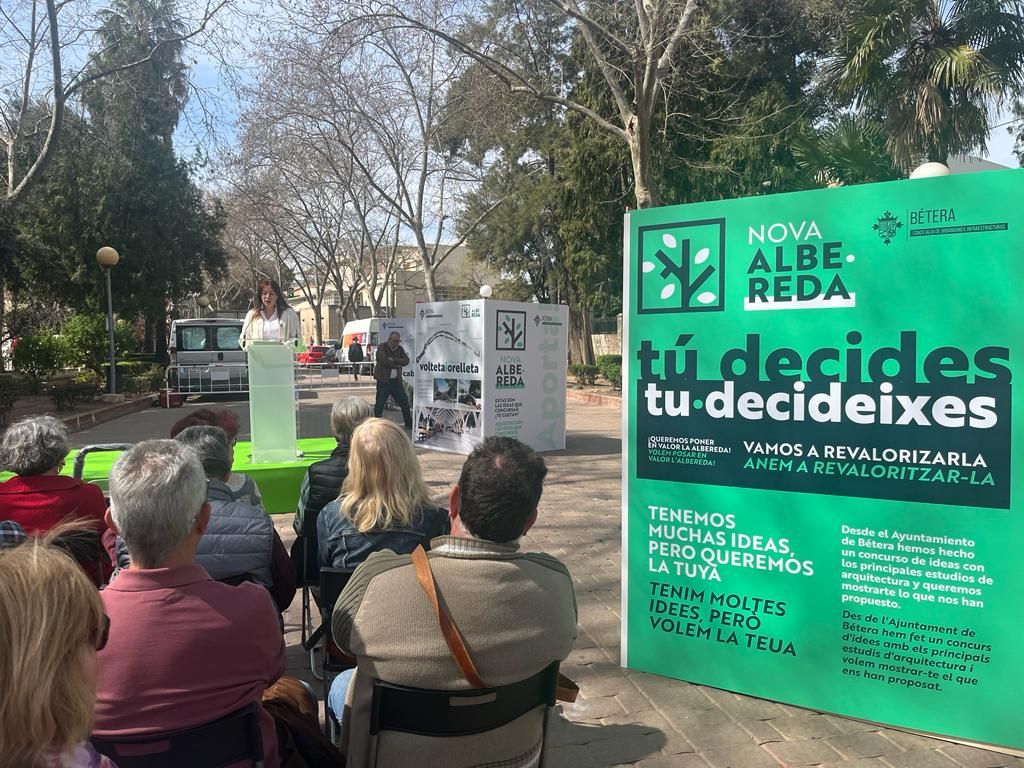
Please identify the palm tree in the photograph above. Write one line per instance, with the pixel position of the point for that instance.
(932, 71)
(849, 150)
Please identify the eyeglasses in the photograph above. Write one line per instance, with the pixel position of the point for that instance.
(103, 635)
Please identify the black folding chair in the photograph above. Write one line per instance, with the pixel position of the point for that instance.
(304, 556)
(459, 713)
(332, 582)
(235, 738)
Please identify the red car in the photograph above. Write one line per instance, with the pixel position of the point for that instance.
(318, 353)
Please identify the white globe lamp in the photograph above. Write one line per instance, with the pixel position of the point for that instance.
(929, 171)
(485, 291)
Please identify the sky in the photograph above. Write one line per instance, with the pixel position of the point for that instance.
(1000, 145)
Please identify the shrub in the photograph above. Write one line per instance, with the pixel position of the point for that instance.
(585, 374)
(88, 344)
(38, 356)
(611, 368)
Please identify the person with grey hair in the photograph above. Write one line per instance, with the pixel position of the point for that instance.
(38, 497)
(322, 484)
(240, 543)
(183, 650)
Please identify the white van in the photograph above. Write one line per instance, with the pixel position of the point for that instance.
(372, 331)
(206, 356)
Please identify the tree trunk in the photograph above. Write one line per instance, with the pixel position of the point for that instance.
(147, 335)
(428, 280)
(639, 138)
(581, 348)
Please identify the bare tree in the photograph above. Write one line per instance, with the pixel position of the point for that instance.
(375, 105)
(47, 56)
(635, 46)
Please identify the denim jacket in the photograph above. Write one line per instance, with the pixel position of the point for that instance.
(341, 545)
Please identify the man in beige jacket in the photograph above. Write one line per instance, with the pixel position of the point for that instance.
(516, 611)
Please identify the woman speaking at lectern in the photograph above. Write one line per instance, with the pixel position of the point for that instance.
(271, 319)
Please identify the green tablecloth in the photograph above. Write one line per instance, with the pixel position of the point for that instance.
(278, 483)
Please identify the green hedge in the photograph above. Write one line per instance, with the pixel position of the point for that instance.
(585, 374)
(611, 368)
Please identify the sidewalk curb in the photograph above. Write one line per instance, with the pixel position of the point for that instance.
(608, 401)
(92, 418)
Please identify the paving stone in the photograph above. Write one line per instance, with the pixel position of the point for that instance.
(674, 695)
(806, 726)
(588, 655)
(649, 720)
(848, 725)
(720, 735)
(919, 758)
(747, 708)
(593, 709)
(972, 757)
(862, 745)
(676, 744)
(576, 756)
(796, 753)
(563, 732)
(749, 756)
(857, 762)
(761, 731)
(594, 686)
(632, 700)
(674, 761)
(909, 740)
(628, 746)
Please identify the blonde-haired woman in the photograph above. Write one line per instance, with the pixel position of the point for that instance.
(51, 626)
(384, 503)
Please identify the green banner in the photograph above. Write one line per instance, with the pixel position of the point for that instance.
(822, 486)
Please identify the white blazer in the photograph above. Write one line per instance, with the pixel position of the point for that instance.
(252, 328)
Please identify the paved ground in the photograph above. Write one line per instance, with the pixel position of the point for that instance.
(624, 717)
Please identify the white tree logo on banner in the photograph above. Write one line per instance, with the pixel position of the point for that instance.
(511, 330)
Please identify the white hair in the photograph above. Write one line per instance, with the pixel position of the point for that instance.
(157, 489)
(347, 414)
(34, 445)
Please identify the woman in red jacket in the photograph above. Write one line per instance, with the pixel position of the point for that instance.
(39, 497)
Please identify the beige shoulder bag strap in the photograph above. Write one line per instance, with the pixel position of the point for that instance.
(567, 689)
(451, 633)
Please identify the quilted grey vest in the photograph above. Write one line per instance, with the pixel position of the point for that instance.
(239, 540)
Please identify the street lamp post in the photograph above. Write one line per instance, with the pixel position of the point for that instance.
(204, 304)
(107, 258)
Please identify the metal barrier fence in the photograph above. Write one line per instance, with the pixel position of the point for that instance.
(232, 378)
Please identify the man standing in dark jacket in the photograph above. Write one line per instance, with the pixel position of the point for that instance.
(322, 484)
(355, 356)
(391, 358)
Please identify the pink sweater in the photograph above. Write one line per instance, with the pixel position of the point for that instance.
(185, 650)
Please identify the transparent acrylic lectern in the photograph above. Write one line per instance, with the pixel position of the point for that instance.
(272, 401)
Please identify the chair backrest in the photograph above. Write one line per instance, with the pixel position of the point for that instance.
(332, 582)
(233, 739)
(458, 713)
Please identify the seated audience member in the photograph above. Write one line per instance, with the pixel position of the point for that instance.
(516, 611)
(322, 483)
(51, 626)
(240, 542)
(11, 534)
(184, 650)
(242, 486)
(39, 497)
(384, 502)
